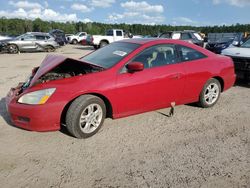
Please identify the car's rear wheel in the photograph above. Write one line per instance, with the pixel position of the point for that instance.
(210, 93)
(49, 49)
(13, 49)
(103, 43)
(85, 116)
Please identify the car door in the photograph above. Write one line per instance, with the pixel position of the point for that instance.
(196, 72)
(27, 42)
(41, 42)
(118, 35)
(160, 83)
(82, 36)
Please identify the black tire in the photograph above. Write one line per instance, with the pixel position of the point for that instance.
(74, 41)
(103, 43)
(49, 49)
(210, 93)
(13, 49)
(75, 112)
(96, 47)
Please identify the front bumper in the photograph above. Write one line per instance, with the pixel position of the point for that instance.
(242, 67)
(44, 117)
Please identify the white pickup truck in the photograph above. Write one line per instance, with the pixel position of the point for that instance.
(74, 39)
(112, 35)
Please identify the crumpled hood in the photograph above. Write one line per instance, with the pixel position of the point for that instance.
(237, 52)
(50, 62)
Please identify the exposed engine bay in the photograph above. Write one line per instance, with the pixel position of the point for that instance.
(67, 69)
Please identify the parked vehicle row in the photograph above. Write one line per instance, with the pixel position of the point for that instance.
(189, 36)
(216, 42)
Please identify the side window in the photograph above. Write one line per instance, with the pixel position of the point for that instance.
(157, 56)
(119, 33)
(176, 36)
(189, 54)
(40, 37)
(185, 36)
(82, 34)
(28, 37)
(166, 35)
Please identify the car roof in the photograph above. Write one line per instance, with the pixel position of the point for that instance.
(155, 41)
(37, 33)
(151, 40)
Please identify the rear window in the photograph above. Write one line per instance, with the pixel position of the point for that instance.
(185, 36)
(189, 54)
(40, 37)
(165, 35)
(118, 33)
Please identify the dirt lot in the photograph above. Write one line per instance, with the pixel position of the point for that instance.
(194, 148)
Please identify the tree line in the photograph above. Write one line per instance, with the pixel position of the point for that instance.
(19, 26)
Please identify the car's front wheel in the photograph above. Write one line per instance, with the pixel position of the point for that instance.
(13, 49)
(85, 116)
(210, 93)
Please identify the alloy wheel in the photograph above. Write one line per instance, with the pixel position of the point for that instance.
(90, 118)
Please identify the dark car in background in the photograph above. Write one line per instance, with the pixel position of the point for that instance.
(220, 41)
(189, 36)
(59, 36)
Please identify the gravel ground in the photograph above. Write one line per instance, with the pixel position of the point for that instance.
(194, 148)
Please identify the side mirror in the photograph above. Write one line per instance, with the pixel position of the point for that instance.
(135, 66)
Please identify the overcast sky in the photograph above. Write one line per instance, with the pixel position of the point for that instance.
(173, 12)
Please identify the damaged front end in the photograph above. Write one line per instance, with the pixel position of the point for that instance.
(27, 104)
(56, 67)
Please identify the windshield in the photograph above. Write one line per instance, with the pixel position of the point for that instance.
(246, 44)
(21, 36)
(111, 54)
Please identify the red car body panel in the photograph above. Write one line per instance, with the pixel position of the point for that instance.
(128, 93)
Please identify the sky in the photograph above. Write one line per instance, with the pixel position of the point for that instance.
(173, 12)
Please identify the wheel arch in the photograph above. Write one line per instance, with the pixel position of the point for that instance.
(104, 40)
(221, 82)
(106, 101)
(49, 45)
(14, 44)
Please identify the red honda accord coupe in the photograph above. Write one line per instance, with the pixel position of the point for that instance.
(124, 78)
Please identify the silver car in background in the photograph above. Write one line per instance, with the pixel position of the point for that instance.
(32, 41)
